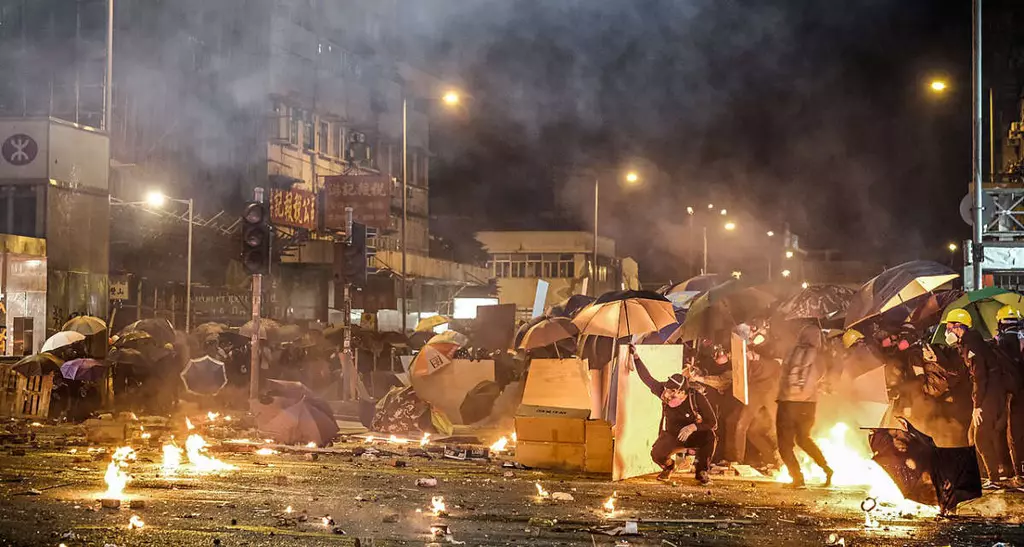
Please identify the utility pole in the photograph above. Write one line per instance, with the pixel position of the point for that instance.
(348, 368)
(593, 260)
(977, 249)
(254, 341)
(108, 92)
(405, 203)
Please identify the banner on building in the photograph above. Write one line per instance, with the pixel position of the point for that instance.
(369, 196)
(118, 288)
(295, 208)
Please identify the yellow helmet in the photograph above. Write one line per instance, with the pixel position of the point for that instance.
(1007, 312)
(961, 316)
(851, 336)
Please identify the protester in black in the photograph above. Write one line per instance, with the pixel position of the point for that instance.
(687, 421)
(1008, 343)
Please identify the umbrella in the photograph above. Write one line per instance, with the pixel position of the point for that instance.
(84, 370)
(683, 294)
(598, 351)
(479, 402)
(928, 312)
(896, 286)
(571, 306)
(923, 472)
(130, 339)
(126, 356)
(62, 339)
(85, 324)
(160, 330)
(39, 364)
(266, 325)
(982, 305)
(209, 329)
(626, 313)
(548, 332)
(428, 324)
(204, 376)
(284, 334)
(722, 308)
(523, 328)
(432, 357)
(302, 422)
(449, 337)
(817, 302)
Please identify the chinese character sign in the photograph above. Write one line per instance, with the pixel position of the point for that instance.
(369, 196)
(295, 208)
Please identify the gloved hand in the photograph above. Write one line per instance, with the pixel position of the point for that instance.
(976, 417)
(685, 432)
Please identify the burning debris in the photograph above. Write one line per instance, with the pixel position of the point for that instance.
(135, 523)
(500, 445)
(609, 505)
(188, 424)
(172, 459)
(266, 452)
(116, 477)
(541, 492)
(437, 506)
(212, 416)
(425, 439)
(311, 444)
(395, 440)
(195, 448)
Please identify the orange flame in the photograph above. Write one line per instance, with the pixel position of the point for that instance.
(172, 459)
(195, 448)
(541, 491)
(212, 416)
(437, 505)
(135, 523)
(609, 506)
(425, 439)
(188, 424)
(116, 477)
(500, 445)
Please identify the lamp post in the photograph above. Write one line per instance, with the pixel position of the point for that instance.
(632, 178)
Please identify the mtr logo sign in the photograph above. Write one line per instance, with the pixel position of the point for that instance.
(19, 149)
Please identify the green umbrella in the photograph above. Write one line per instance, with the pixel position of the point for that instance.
(722, 308)
(982, 305)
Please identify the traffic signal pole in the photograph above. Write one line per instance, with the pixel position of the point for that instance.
(257, 297)
(348, 362)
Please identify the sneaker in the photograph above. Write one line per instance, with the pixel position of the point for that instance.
(989, 485)
(665, 474)
(828, 476)
(703, 477)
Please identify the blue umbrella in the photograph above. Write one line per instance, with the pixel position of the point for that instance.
(84, 370)
(204, 376)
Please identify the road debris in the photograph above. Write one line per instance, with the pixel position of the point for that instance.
(426, 482)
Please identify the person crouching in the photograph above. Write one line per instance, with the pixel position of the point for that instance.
(687, 421)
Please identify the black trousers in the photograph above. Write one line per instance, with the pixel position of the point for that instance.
(1015, 437)
(668, 445)
(793, 424)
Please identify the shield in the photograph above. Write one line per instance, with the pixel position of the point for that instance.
(84, 370)
(428, 324)
(626, 313)
(39, 364)
(982, 305)
(62, 339)
(896, 286)
(302, 422)
(818, 302)
(204, 376)
(85, 324)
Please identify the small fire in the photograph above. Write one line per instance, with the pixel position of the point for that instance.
(541, 491)
(238, 441)
(135, 523)
(609, 506)
(172, 459)
(145, 435)
(437, 505)
(396, 440)
(188, 424)
(36, 424)
(500, 445)
(227, 418)
(311, 444)
(195, 446)
(425, 439)
(266, 452)
(369, 439)
(288, 510)
(514, 438)
(116, 477)
(327, 520)
(212, 416)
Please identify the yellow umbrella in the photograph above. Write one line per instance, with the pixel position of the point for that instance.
(428, 324)
(626, 313)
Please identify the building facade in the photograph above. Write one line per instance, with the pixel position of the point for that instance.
(519, 259)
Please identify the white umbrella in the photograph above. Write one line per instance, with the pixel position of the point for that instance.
(62, 339)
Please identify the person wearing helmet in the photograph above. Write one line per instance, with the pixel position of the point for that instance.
(687, 421)
(762, 386)
(1008, 345)
(989, 393)
(851, 337)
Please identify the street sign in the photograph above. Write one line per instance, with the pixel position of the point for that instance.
(369, 196)
(119, 289)
(967, 208)
(19, 149)
(295, 208)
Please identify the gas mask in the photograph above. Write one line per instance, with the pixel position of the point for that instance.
(951, 338)
(675, 402)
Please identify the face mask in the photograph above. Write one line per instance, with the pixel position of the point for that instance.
(758, 340)
(674, 402)
(903, 345)
(951, 338)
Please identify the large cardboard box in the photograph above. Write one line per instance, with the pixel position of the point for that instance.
(556, 388)
(551, 430)
(599, 446)
(562, 456)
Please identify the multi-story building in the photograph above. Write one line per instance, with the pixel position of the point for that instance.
(213, 99)
(563, 259)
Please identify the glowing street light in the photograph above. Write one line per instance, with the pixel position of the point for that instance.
(724, 212)
(632, 177)
(711, 206)
(952, 247)
(771, 233)
(804, 285)
(156, 199)
(737, 274)
(786, 273)
(689, 211)
(938, 86)
(789, 254)
(451, 98)
(730, 226)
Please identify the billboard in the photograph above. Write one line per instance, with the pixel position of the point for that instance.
(295, 208)
(369, 196)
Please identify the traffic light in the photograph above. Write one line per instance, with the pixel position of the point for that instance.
(353, 266)
(255, 238)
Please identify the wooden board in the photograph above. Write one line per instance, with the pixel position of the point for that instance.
(557, 430)
(447, 387)
(738, 355)
(638, 412)
(562, 456)
(556, 388)
(599, 447)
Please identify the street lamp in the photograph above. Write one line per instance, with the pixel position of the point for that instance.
(938, 86)
(771, 233)
(451, 98)
(724, 212)
(789, 254)
(730, 226)
(689, 211)
(952, 247)
(786, 273)
(632, 178)
(156, 199)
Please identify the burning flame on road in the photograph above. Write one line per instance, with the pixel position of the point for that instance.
(396, 440)
(854, 467)
(212, 416)
(311, 444)
(500, 445)
(425, 439)
(172, 459)
(288, 510)
(188, 424)
(266, 452)
(115, 477)
(609, 505)
(541, 491)
(437, 505)
(195, 447)
(135, 523)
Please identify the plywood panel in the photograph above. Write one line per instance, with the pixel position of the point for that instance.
(558, 388)
(738, 356)
(638, 412)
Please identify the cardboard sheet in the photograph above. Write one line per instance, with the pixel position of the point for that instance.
(446, 388)
(738, 355)
(638, 412)
(556, 388)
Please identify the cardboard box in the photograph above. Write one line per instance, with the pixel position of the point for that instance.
(556, 388)
(562, 456)
(602, 465)
(600, 447)
(550, 430)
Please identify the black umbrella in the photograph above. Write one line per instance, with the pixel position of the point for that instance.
(896, 286)
(127, 356)
(204, 376)
(818, 302)
(160, 330)
(571, 306)
(39, 364)
(302, 422)
(923, 472)
(479, 402)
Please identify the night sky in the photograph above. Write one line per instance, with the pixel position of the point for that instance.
(811, 113)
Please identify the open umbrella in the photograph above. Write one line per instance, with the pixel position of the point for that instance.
(896, 286)
(284, 334)
(626, 313)
(449, 337)
(479, 402)
(209, 329)
(62, 339)
(548, 332)
(266, 325)
(722, 308)
(817, 302)
(131, 339)
(684, 293)
(982, 305)
(39, 364)
(571, 306)
(428, 324)
(204, 376)
(433, 357)
(159, 329)
(302, 422)
(127, 356)
(85, 324)
(84, 370)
